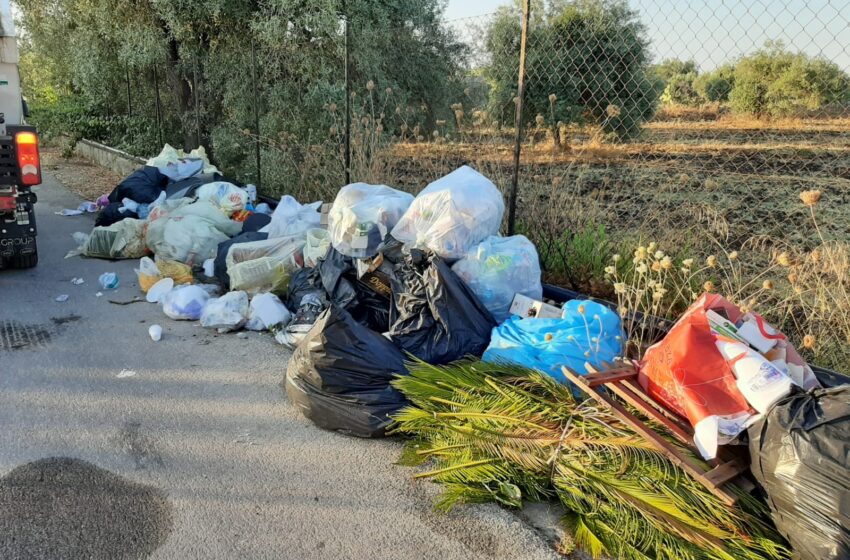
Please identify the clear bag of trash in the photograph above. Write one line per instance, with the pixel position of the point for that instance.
(227, 196)
(316, 246)
(363, 215)
(267, 311)
(147, 274)
(499, 268)
(452, 214)
(291, 218)
(265, 265)
(227, 313)
(191, 233)
(121, 240)
(185, 303)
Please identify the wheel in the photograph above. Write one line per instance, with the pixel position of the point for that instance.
(24, 261)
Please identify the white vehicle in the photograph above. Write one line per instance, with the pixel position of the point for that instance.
(20, 165)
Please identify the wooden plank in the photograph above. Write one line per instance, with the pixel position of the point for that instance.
(676, 456)
(625, 393)
(726, 472)
(605, 377)
(672, 416)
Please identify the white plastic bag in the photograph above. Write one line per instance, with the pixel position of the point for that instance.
(184, 303)
(228, 197)
(177, 165)
(267, 311)
(363, 215)
(317, 244)
(499, 268)
(291, 218)
(227, 313)
(264, 265)
(191, 233)
(452, 214)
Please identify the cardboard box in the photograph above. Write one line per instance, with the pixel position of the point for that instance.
(527, 308)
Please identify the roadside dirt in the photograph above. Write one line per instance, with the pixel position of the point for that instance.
(79, 175)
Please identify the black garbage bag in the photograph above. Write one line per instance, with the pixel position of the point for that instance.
(800, 454)
(143, 186)
(111, 214)
(220, 263)
(434, 315)
(339, 376)
(334, 279)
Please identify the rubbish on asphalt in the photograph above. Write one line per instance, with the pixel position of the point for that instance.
(587, 332)
(242, 335)
(362, 215)
(155, 332)
(68, 212)
(434, 315)
(98, 294)
(127, 302)
(452, 214)
(122, 240)
(226, 313)
(108, 281)
(125, 373)
(77, 281)
(292, 218)
(526, 308)
(62, 298)
(184, 303)
(267, 311)
(156, 292)
(497, 269)
(83, 208)
(191, 233)
(710, 395)
(341, 389)
(799, 453)
(310, 307)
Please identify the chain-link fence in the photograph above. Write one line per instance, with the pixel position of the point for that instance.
(695, 125)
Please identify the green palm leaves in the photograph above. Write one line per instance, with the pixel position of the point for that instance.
(498, 433)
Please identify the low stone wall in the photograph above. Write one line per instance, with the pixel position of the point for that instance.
(116, 160)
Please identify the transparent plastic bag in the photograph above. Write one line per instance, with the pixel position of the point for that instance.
(121, 240)
(291, 218)
(227, 313)
(228, 197)
(452, 214)
(363, 215)
(147, 274)
(185, 303)
(499, 268)
(267, 311)
(191, 233)
(316, 246)
(264, 265)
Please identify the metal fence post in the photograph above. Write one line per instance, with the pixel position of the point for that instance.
(158, 107)
(347, 103)
(197, 103)
(526, 12)
(129, 98)
(256, 112)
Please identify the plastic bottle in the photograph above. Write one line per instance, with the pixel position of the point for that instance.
(761, 383)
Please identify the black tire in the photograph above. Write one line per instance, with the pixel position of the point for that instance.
(24, 261)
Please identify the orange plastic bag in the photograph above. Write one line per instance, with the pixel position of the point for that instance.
(687, 374)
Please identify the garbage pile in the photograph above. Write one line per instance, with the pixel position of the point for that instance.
(377, 280)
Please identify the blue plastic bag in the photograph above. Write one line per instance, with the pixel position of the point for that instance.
(587, 333)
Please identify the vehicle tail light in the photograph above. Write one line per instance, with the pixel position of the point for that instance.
(28, 160)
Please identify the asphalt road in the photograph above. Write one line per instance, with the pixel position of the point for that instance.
(197, 454)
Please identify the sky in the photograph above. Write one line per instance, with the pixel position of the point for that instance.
(712, 32)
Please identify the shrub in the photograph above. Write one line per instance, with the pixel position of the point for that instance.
(775, 82)
(681, 90)
(715, 87)
(587, 64)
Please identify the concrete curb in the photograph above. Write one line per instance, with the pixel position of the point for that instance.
(111, 158)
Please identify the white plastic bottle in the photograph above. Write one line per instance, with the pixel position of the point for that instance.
(761, 382)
